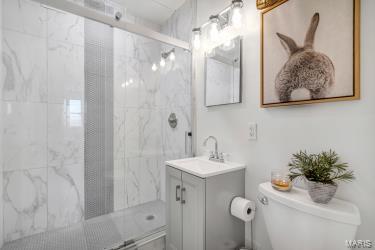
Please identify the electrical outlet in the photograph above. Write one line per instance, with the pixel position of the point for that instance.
(253, 131)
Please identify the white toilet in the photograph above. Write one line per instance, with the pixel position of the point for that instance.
(295, 222)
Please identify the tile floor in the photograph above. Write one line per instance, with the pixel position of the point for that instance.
(99, 233)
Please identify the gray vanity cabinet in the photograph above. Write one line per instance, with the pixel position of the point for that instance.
(185, 210)
(198, 211)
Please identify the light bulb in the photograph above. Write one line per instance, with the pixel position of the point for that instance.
(228, 43)
(172, 56)
(214, 32)
(131, 81)
(196, 38)
(236, 18)
(210, 52)
(162, 62)
(154, 67)
(123, 85)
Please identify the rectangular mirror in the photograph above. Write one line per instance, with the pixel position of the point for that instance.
(223, 74)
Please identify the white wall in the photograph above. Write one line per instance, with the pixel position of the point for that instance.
(346, 127)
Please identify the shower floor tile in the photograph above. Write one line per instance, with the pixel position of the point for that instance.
(100, 232)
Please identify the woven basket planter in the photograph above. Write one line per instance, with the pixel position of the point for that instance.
(320, 192)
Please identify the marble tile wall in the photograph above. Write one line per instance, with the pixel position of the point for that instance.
(65, 125)
(43, 87)
(176, 89)
(180, 24)
(137, 120)
(25, 202)
(1, 138)
(42, 111)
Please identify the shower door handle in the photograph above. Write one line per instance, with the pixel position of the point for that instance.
(183, 190)
(178, 187)
(188, 138)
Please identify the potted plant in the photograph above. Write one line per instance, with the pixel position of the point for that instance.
(321, 171)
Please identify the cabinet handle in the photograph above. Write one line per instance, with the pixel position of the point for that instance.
(182, 195)
(177, 188)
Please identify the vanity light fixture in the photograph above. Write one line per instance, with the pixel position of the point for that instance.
(230, 16)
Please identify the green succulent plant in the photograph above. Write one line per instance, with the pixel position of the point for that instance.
(324, 167)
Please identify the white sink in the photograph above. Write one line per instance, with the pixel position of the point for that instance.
(203, 168)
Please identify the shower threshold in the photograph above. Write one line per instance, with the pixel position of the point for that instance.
(136, 244)
(129, 228)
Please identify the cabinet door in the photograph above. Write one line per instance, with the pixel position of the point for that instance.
(174, 209)
(193, 212)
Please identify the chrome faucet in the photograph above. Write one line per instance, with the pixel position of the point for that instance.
(214, 156)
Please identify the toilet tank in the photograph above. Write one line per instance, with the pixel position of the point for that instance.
(295, 222)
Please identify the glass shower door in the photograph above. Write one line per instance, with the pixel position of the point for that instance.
(147, 93)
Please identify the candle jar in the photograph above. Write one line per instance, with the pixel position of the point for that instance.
(280, 180)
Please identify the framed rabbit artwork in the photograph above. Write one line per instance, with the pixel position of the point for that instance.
(310, 52)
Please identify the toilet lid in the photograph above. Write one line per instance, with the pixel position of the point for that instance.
(336, 209)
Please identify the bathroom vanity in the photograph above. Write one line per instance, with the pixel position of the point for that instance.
(199, 193)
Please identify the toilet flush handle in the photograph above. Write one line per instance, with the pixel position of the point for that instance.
(263, 199)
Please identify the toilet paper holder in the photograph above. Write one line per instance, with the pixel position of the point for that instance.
(243, 209)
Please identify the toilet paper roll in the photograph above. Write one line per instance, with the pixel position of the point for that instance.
(242, 209)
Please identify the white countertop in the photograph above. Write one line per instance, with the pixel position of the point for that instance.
(204, 168)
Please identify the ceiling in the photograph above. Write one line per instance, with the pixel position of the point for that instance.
(153, 10)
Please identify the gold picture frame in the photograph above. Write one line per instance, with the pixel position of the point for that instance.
(356, 63)
(263, 4)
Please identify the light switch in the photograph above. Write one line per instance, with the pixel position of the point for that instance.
(252, 131)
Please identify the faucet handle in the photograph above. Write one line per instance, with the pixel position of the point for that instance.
(221, 157)
(211, 154)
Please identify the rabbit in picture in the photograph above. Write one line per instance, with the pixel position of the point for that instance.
(306, 72)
